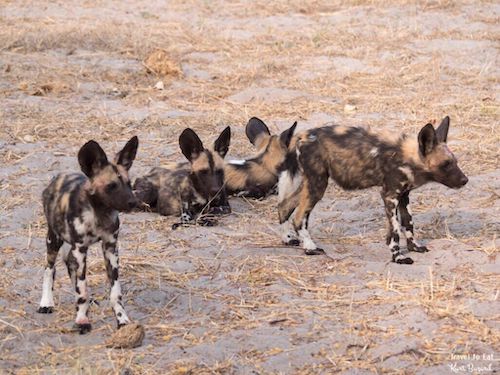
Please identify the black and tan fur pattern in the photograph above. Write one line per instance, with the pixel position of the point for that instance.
(356, 158)
(82, 209)
(189, 189)
(258, 176)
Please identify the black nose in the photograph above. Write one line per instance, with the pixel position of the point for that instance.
(464, 180)
(132, 203)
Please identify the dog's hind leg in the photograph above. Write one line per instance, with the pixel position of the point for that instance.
(110, 253)
(54, 243)
(288, 196)
(312, 190)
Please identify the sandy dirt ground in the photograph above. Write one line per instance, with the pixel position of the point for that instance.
(231, 299)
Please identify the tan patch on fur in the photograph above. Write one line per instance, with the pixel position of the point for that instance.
(298, 139)
(340, 129)
(200, 163)
(261, 142)
(275, 155)
(218, 161)
(438, 156)
(59, 183)
(123, 172)
(387, 136)
(235, 178)
(64, 202)
(170, 166)
(304, 202)
(411, 152)
(103, 178)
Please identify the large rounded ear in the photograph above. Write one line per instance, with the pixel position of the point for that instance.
(127, 155)
(221, 144)
(92, 158)
(191, 145)
(442, 130)
(256, 131)
(427, 139)
(287, 135)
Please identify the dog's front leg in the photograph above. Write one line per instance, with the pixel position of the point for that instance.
(110, 252)
(391, 203)
(407, 223)
(78, 274)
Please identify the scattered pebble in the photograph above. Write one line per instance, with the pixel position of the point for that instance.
(159, 85)
(350, 108)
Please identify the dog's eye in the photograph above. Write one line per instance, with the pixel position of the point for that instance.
(219, 173)
(111, 187)
(204, 172)
(446, 165)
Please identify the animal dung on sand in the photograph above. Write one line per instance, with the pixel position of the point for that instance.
(127, 337)
(160, 63)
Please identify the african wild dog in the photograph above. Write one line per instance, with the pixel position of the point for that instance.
(257, 177)
(189, 189)
(82, 210)
(355, 158)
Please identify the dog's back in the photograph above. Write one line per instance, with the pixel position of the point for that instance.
(354, 157)
(164, 189)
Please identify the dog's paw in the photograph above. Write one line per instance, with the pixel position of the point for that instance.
(417, 249)
(402, 260)
(82, 328)
(317, 251)
(45, 309)
(207, 222)
(292, 242)
(220, 210)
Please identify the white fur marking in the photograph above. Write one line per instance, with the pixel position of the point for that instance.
(393, 244)
(288, 233)
(48, 283)
(307, 242)
(116, 292)
(374, 152)
(408, 173)
(287, 185)
(237, 162)
(113, 259)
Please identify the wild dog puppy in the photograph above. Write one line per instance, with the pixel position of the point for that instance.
(189, 189)
(355, 158)
(257, 177)
(82, 209)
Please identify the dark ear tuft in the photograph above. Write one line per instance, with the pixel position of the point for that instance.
(427, 139)
(287, 135)
(442, 130)
(221, 144)
(191, 145)
(92, 158)
(255, 129)
(127, 155)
